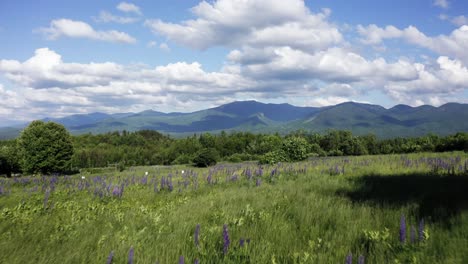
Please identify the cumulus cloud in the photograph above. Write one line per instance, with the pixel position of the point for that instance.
(128, 8)
(255, 23)
(78, 29)
(49, 85)
(278, 50)
(46, 70)
(454, 45)
(106, 17)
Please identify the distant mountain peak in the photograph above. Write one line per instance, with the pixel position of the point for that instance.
(254, 116)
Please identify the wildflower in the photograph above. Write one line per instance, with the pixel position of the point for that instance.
(361, 259)
(197, 261)
(181, 260)
(83, 177)
(110, 257)
(197, 233)
(349, 259)
(146, 173)
(259, 182)
(226, 239)
(130, 255)
(241, 242)
(402, 229)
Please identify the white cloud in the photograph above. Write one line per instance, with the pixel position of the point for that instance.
(454, 45)
(441, 3)
(128, 8)
(78, 29)
(164, 47)
(106, 17)
(254, 23)
(46, 70)
(49, 86)
(460, 20)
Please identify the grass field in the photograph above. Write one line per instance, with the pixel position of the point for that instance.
(381, 209)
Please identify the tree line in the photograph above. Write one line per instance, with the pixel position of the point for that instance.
(47, 147)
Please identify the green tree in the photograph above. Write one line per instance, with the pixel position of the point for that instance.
(9, 160)
(45, 147)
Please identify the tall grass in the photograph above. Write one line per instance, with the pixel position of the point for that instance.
(319, 211)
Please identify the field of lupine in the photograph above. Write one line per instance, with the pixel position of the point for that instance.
(370, 209)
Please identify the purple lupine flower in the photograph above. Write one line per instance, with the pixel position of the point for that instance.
(196, 235)
(181, 260)
(402, 229)
(241, 242)
(226, 239)
(361, 259)
(413, 234)
(116, 191)
(130, 255)
(421, 230)
(349, 259)
(259, 182)
(196, 261)
(110, 257)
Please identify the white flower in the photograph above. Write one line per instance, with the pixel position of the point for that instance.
(146, 173)
(83, 177)
(182, 171)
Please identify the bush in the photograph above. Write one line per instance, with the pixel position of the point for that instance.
(315, 150)
(182, 159)
(239, 157)
(295, 148)
(206, 157)
(273, 157)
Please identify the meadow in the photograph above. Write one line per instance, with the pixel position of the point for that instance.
(368, 209)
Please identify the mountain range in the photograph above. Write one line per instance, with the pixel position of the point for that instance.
(257, 117)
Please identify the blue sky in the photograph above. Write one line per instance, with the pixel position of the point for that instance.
(67, 57)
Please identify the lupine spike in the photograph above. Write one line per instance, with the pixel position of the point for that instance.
(196, 261)
(110, 257)
(130, 255)
(402, 229)
(361, 259)
(181, 260)
(241, 242)
(227, 241)
(349, 259)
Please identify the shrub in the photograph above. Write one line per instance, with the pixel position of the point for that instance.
(295, 148)
(206, 157)
(273, 157)
(182, 159)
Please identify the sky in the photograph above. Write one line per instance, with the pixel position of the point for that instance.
(59, 58)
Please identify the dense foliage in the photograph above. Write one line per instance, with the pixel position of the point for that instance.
(147, 147)
(45, 147)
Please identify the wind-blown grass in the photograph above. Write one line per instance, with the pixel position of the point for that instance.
(319, 211)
